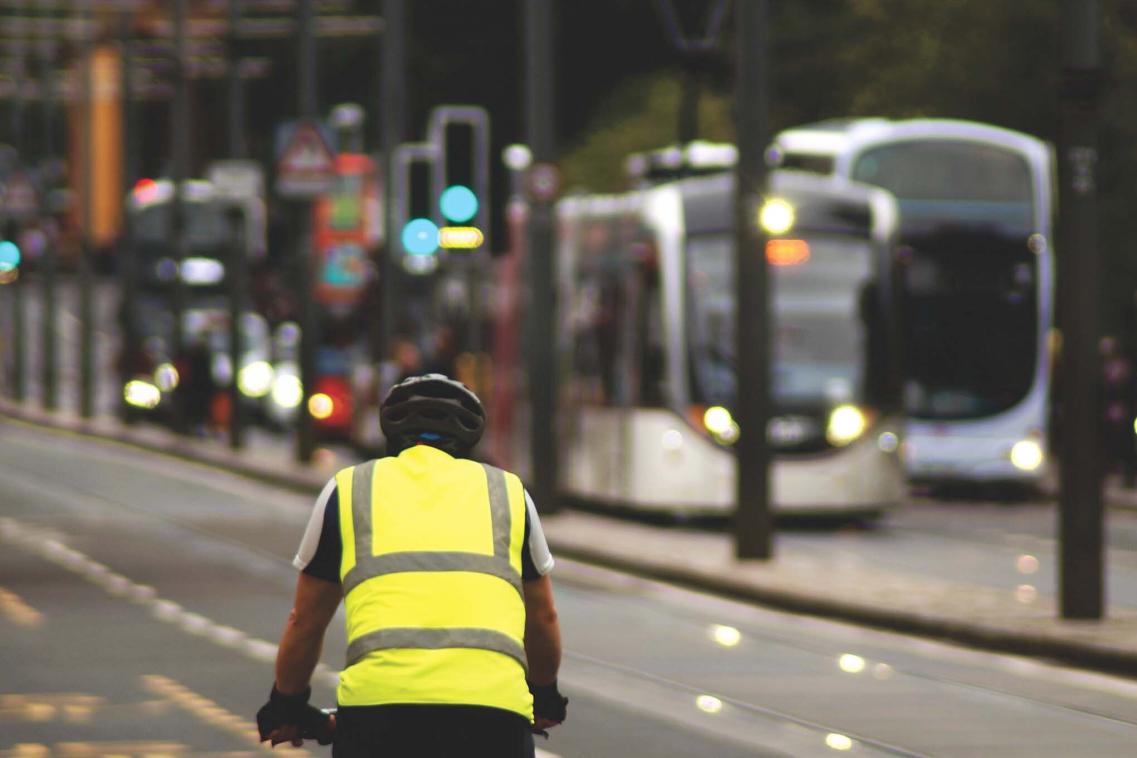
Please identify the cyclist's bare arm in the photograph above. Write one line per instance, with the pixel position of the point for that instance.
(303, 639)
(542, 631)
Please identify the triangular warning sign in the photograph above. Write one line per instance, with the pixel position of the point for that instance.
(307, 164)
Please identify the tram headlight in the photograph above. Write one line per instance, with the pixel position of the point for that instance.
(846, 423)
(776, 216)
(255, 379)
(1027, 455)
(718, 421)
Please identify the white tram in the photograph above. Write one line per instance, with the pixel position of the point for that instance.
(646, 343)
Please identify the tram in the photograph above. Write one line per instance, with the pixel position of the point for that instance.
(646, 349)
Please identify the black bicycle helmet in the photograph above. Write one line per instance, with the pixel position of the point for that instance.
(435, 410)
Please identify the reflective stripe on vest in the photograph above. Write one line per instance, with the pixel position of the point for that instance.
(368, 566)
(435, 639)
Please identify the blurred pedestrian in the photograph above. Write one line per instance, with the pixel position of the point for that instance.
(196, 388)
(1118, 411)
(443, 353)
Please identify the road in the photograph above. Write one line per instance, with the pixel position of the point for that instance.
(141, 598)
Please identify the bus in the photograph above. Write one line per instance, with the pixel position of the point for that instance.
(646, 349)
(150, 370)
(976, 229)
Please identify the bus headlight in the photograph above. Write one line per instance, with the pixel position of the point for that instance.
(721, 425)
(255, 379)
(287, 391)
(140, 393)
(846, 423)
(1027, 455)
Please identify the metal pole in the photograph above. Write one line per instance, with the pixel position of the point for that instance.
(541, 138)
(236, 110)
(86, 254)
(19, 300)
(127, 261)
(753, 523)
(306, 49)
(238, 284)
(1080, 499)
(393, 126)
(180, 173)
(49, 364)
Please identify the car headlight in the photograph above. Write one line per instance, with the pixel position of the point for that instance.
(166, 377)
(287, 391)
(255, 379)
(141, 394)
(321, 406)
(1027, 455)
(846, 423)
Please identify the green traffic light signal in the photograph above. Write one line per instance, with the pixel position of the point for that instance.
(458, 203)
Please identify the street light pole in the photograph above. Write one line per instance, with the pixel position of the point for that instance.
(393, 124)
(753, 523)
(180, 148)
(542, 293)
(47, 51)
(1080, 499)
(86, 252)
(306, 52)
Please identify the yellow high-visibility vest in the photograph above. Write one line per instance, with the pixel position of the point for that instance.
(431, 574)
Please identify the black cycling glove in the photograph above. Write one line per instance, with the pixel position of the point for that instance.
(293, 710)
(548, 703)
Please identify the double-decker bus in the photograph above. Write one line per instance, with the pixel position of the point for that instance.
(976, 224)
(646, 311)
(150, 369)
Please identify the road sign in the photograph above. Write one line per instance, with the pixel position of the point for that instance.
(305, 166)
(19, 201)
(236, 179)
(543, 182)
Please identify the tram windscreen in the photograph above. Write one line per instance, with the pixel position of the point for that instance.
(970, 330)
(819, 339)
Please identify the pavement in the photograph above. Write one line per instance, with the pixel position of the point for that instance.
(800, 578)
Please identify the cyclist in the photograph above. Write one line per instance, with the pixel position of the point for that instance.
(453, 639)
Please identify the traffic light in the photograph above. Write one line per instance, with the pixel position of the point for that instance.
(413, 206)
(462, 175)
(9, 262)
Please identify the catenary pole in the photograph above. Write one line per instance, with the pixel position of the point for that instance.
(49, 366)
(392, 124)
(306, 52)
(1081, 584)
(234, 220)
(541, 305)
(86, 252)
(753, 524)
(179, 175)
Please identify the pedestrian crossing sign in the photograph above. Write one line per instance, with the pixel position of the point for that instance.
(306, 163)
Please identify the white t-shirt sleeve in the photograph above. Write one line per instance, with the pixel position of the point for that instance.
(311, 539)
(538, 546)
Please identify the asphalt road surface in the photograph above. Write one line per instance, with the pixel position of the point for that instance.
(141, 599)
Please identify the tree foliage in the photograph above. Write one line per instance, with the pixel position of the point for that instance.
(996, 62)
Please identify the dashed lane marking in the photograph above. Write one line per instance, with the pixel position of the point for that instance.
(210, 712)
(49, 546)
(13, 608)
